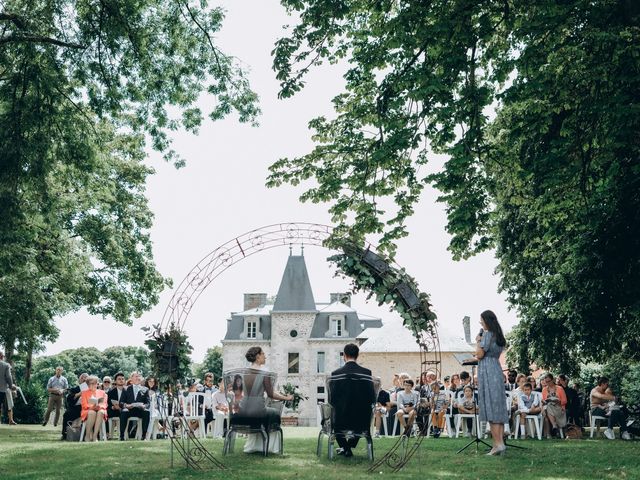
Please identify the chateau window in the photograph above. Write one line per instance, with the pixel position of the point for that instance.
(320, 363)
(294, 363)
(341, 360)
(336, 326)
(252, 329)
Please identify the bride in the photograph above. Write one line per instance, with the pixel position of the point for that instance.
(252, 403)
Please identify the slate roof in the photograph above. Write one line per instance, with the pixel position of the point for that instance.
(393, 337)
(294, 294)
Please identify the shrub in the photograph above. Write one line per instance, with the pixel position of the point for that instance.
(33, 411)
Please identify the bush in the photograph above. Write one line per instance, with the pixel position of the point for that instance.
(631, 388)
(33, 411)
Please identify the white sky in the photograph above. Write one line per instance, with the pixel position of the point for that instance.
(220, 194)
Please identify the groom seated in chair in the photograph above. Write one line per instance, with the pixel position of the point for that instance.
(134, 403)
(352, 400)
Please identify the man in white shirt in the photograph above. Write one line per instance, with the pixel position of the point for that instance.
(56, 387)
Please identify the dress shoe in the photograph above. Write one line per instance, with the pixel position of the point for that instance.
(348, 453)
(340, 451)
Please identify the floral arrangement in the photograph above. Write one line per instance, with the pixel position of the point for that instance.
(170, 353)
(298, 397)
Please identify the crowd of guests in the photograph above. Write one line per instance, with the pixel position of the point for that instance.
(93, 402)
(413, 404)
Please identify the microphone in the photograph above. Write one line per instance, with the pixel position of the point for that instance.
(481, 332)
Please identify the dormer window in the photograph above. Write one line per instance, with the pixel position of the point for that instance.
(337, 326)
(251, 328)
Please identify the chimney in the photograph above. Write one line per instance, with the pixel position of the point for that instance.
(254, 300)
(466, 324)
(341, 297)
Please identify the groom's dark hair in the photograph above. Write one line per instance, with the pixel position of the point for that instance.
(351, 350)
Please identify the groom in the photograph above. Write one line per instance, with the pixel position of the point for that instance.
(352, 396)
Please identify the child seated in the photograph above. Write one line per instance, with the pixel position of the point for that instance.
(439, 405)
(407, 401)
(466, 404)
(528, 404)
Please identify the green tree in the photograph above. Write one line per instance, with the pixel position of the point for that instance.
(84, 87)
(550, 181)
(212, 363)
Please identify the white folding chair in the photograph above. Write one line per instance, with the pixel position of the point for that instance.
(103, 431)
(193, 410)
(138, 428)
(459, 417)
(593, 425)
(535, 418)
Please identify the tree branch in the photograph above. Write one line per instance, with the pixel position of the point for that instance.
(12, 17)
(38, 39)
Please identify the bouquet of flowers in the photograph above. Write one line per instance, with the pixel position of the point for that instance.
(289, 389)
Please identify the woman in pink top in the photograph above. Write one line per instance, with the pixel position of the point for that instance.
(555, 403)
(94, 409)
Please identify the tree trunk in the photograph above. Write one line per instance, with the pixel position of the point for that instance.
(28, 363)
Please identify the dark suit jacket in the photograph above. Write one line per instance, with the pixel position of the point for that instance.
(73, 410)
(113, 395)
(352, 395)
(143, 396)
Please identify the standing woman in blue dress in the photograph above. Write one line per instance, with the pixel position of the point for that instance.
(491, 396)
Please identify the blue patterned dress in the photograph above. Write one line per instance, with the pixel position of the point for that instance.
(491, 395)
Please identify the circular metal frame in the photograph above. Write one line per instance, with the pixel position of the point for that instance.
(228, 254)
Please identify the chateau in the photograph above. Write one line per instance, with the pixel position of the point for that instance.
(303, 339)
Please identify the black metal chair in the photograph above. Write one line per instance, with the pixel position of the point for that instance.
(353, 389)
(250, 408)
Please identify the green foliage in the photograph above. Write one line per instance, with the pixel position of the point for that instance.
(170, 354)
(212, 363)
(384, 283)
(631, 388)
(33, 411)
(551, 182)
(92, 361)
(84, 87)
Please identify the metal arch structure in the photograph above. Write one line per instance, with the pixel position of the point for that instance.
(228, 254)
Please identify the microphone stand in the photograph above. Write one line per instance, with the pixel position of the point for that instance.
(476, 439)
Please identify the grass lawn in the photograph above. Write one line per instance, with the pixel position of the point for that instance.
(34, 452)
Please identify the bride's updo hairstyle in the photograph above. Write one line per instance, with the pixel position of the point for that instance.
(252, 354)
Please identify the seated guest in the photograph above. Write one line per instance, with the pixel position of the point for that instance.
(554, 403)
(220, 410)
(94, 409)
(515, 394)
(528, 404)
(209, 389)
(604, 403)
(383, 404)
(407, 401)
(447, 382)
(114, 396)
(465, 379)
(511, 383)
(439, 406)
(455, 382)
(574, 407)
(106, 384)
(348, 397)
(134, 403)
(73, 405)
(466, 404)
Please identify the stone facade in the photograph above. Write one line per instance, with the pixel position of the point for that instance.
(297, 334)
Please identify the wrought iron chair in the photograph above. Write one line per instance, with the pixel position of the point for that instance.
(250, 408)
(352, 386)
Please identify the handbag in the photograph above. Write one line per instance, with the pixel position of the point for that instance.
(74, 428)
(573, 432)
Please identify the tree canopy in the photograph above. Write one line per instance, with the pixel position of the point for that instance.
(85, 86)
(535, 105)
